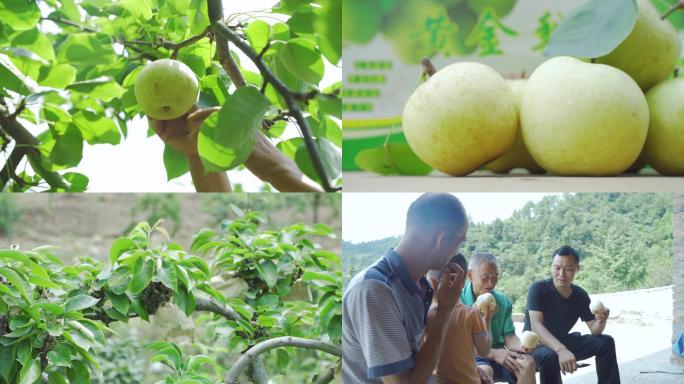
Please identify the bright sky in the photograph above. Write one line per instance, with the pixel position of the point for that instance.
(136, 164)
(375, 216)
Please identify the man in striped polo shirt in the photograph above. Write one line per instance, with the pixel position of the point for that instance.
(384, 338)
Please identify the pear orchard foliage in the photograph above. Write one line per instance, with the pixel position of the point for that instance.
(68, 71)
(55, 319)
(604, 103)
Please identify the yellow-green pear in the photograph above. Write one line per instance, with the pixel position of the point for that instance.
(650, 52)
(664, 148)
(583, 119)
(517, 156)
(461, 118)
(166, 89)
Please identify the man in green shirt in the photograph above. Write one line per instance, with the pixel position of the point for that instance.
(507, 361)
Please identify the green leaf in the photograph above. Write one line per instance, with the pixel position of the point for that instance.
(594, 29)
(13, 278)
(30, 372)
(227, 141)
(78, 373)
(258, 32)
(42, 282)
(103, 88)
(58, 76)
(268, 272)
(19, 14)
(77, 339)
(143, 270)
(167, 275)
(140, 9)
(78, 181)
(170, 357)
(185, 300)
(198, 16)
(86, 49)
(7, 358)
(97, 129)
(54, 113)
(329, 277)
(120, 280)
(119, 246)
(203, 236)
(215, 85)
(331, 158)
(67, 150)
(395, 158)
(60, 356)
(56, 309)
(80, 302)
(11, 254)
(35, 42)
(11, 78)
(300, 57)
(175, 163)
(119, 302)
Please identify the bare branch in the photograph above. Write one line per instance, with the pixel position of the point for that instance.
(209, 305)
(267, 345)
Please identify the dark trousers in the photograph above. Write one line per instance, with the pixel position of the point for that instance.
(583, 347)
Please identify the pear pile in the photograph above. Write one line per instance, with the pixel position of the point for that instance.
(572, 117)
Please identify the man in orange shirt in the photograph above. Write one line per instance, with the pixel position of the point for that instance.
(468, 331)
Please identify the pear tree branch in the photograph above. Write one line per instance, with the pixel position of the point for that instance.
(28, 143)
(285, 341)
(215, 10)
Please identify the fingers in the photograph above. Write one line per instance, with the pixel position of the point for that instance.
(198, 115)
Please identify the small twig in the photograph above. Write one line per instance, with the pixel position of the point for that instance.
(267, 345)
(263, 50)
(18, 109)
(70, 23)
(676, 6)
(263, 87)
(428, 68)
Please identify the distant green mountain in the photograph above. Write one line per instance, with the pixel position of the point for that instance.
(624, 240)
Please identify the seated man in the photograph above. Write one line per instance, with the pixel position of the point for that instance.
(504, 362)
(467, 332)
(553, 307)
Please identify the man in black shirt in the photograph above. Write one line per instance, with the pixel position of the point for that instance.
(553, 307)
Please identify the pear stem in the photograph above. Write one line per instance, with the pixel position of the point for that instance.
(677, 6)
(428, 68)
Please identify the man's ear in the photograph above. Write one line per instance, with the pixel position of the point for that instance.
(441, 239)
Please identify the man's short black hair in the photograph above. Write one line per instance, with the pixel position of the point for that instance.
(567, 250)
(460, 260)
(433, 212)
